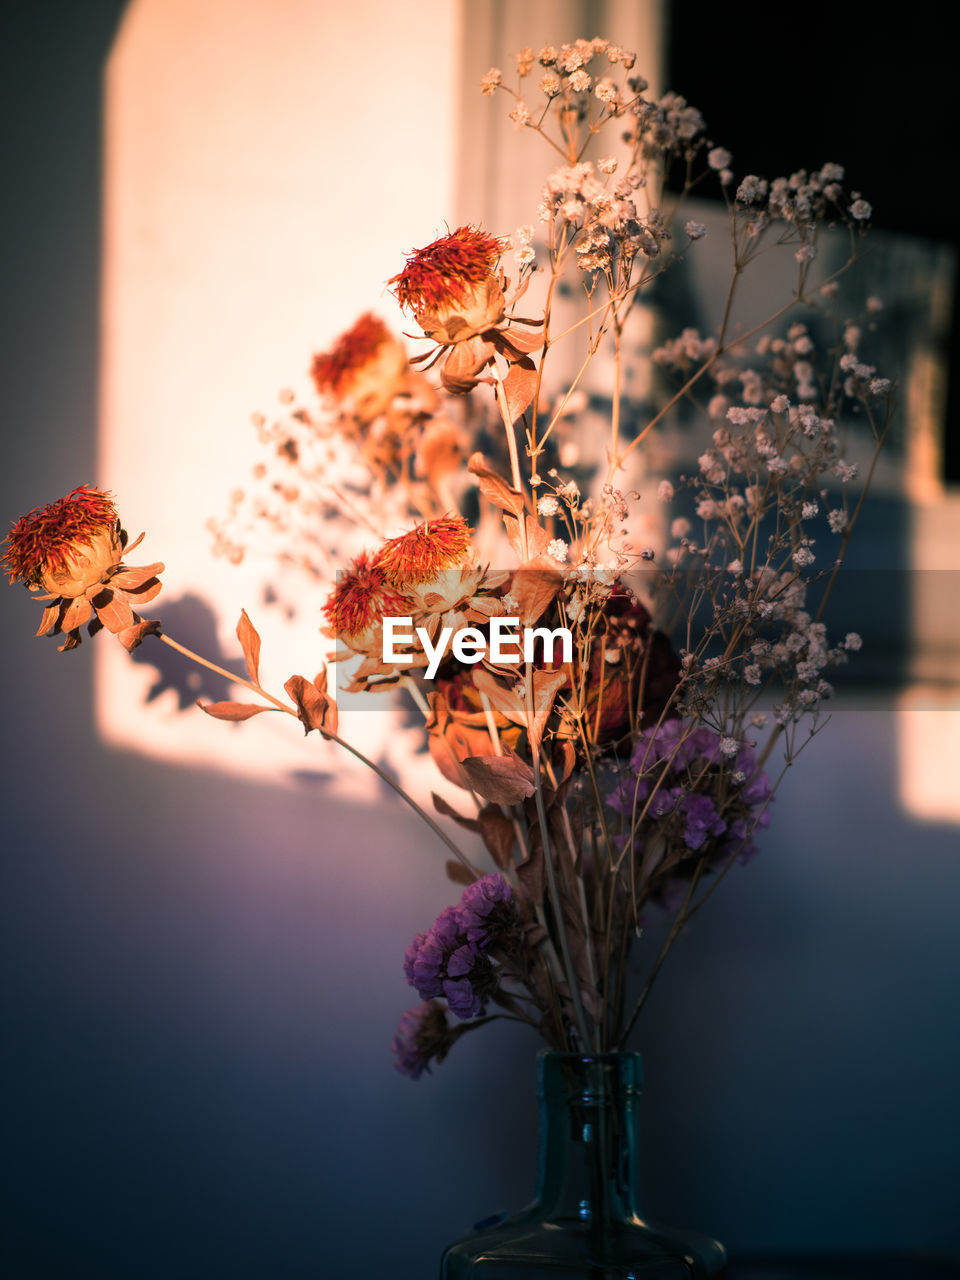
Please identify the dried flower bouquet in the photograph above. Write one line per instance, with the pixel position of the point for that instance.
(608, 710)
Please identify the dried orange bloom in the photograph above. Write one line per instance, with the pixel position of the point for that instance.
(433, 565)
(364, 370)
(450, 286)
(429, 549)
(456, 294)
(73, 547)
(356, 607)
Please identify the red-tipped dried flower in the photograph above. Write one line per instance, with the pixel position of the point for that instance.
(355, 609)
(364, 370)
(73, 547)
(433, 565)
(65, 545)
(456, 295)
(428, 550)
(445, 280)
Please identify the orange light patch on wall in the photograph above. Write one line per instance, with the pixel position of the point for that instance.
(267, 163)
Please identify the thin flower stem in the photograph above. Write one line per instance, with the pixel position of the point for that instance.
(229, 675)
(720, 350)
(551, 874)
(494, 733)
(332, 737)
(678, 924)
(408, 799)
(615, 407)
(514, 458)
(416, 694)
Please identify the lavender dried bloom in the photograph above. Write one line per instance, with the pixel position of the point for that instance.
(685, 787)
(423, 1035)
(451, 960)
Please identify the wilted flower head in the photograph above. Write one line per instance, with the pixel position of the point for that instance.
(423, 1035)
(451, 286)
(66, 545)
(356, 606)
(456, 294)
(364, 370)
(73, 547)
(697, 798)
(428, 550)
(632, 674)
(451, 960)
(433, 565)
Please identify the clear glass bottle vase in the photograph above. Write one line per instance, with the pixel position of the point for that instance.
(585, 1223)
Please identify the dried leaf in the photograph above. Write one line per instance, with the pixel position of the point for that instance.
(76, 613)
(546, 685)
(504, 699)
(315, 709)
(250, 643)
(537, 537)
(232, 710)
(493, 486)
(462, 368)
(449, 811)
(49, 620)
(530, 870)
(143, 595)
(564, 757)
(113, 611)
(502, 779)
(520, 386)
(458, 873)
(498, 834)
(131, 637)
(130, 579)
(535, 584)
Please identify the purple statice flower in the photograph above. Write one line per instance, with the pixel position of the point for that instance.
(629, 791)
(754, 794)
(462, 960)
(422, 1034)
(423, 964)
(691, 773)
(675, 742)
(478, 901)
(755, 789)
(700, 819)
(462, 998)
(449, 959)
(446, 927)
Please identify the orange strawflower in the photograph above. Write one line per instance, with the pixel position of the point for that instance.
(457, 295)
(57, 546)
(364, 370)
(73, 547)
(428, 550)
(433, 565)
(355, 609)
(439, 276)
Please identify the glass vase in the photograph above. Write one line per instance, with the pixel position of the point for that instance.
(585, 1223)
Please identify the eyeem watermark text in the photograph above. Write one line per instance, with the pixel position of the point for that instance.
(506, 643)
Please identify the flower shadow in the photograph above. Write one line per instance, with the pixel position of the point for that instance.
(193, 623)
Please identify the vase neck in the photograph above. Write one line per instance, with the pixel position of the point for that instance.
(588, 1136)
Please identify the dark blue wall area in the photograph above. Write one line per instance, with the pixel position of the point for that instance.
(200, 977)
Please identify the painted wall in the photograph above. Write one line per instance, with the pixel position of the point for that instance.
(200, 976)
